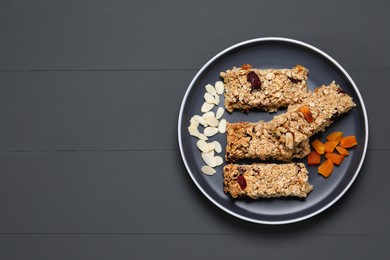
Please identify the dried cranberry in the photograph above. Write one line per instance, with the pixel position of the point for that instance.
(295, 81)
(254, 79)
(241, 181)
(340, 91)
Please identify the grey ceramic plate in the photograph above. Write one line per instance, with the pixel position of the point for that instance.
(275, 53)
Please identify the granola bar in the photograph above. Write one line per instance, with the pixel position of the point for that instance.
(266, 180)
(287, 135)
(278, 88)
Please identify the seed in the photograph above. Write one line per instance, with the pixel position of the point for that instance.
(212, 121)
(220, 112)
(210, 131)
(222, 126)
(219, 87)
(206, 107)
(208, 158)
(218, 160)
(217, 146)
(211, 89)
(209, 98)
(208, 170)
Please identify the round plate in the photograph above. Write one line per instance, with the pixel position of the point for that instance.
(266, 53)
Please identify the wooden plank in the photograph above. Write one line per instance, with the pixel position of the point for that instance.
(122, 110)
(130, 110)
(191, 246)
(99, 35)
(142, 192)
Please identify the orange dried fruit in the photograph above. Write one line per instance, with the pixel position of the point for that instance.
(313, 158)
(326, 168)
(334, 158)
(342, 151)
(307, 113)
(246, 66)
(330, 145)
(348, 141)
(335, 136)
(299, 67)
(318, 146)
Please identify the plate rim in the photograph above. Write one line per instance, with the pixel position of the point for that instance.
(285, 40)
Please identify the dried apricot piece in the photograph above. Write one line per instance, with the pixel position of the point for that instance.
(348, 141)
(313, 158)
(342, 151)
(326, 168)
(318, 146)
(307, 113)
(334, 158)
(246, 66)
(335, 136)
(330, 145)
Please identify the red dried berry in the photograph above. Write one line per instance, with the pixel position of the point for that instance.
(254, 79)
(241, 181)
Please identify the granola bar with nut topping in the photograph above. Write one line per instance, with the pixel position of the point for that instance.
(247, 88)
(287, 135)
(266, 180)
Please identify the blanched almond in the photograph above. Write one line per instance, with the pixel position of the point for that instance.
(220, 112)
(217, 146)
(204, 147)
(208, 114)
(208, 158)
(212, 121)
(209, 98)
(208, 170)
(218, 160)
(202, 137)
(211, 89)
(222, 126)
(219, 87)
(206, 107)
(210, 131)
(199, 119)
(193, 130)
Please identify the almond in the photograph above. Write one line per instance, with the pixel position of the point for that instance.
(206, 107)
(217, 146)
(209, 98)
(218, 160)
(208, 158)
(222, 126)
(212, 121)
(220, 112)
(208, 170)
(210, 131)
(204, 147)
(219, 87)
(210, 89)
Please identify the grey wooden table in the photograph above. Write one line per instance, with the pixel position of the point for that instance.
(89, 99)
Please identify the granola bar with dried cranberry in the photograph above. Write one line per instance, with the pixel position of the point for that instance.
(247, 88)
(287, 135)
(266, 180)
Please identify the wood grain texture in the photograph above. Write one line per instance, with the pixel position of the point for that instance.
(89, 99)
